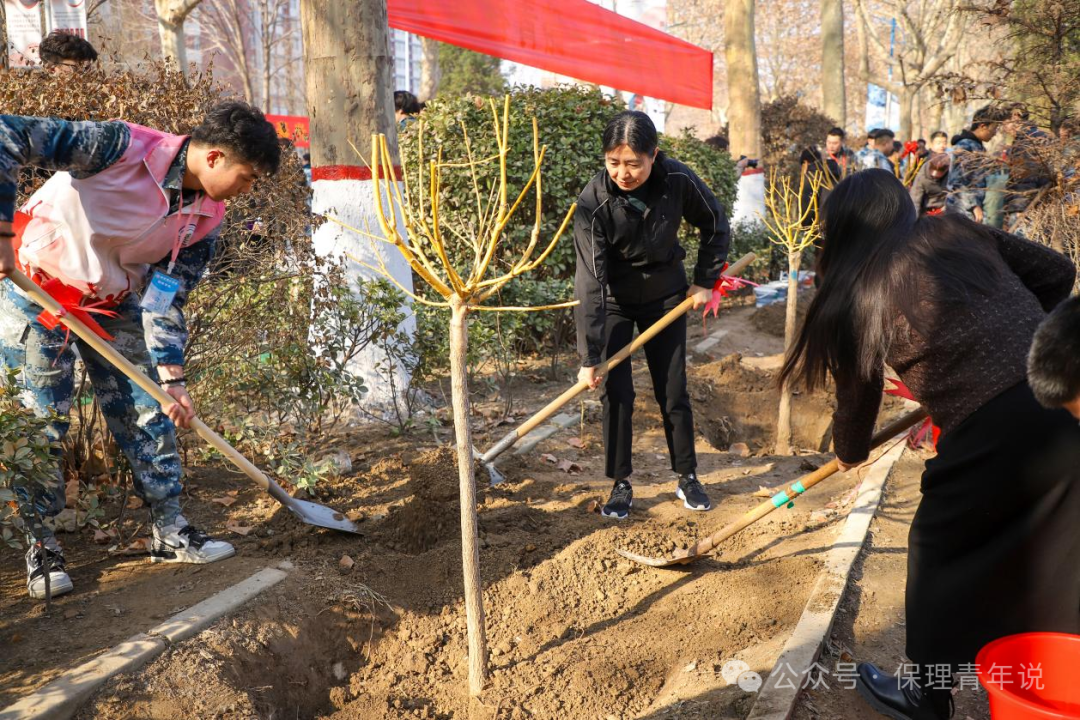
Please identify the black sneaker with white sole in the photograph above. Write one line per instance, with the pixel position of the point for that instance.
(622, 498)
(692, 493)
(59, 582)
(184, 543)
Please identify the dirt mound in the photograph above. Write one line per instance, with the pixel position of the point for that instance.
(660, 539)
(771, 318)
(433, 475)
(430, 516)
(734, 402)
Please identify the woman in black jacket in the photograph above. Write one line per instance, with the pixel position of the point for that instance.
(630, 273)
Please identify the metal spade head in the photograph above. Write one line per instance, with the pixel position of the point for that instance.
(313, 513)
(681, 557)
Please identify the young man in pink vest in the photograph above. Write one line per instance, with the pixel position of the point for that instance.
(119, 235)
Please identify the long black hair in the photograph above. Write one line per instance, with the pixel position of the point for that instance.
(632, 128)
(878, 261)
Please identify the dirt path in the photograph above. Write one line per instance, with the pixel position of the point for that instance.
(870, 622)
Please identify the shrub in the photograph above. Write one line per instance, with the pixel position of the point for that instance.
(27, 459)
(788, 126)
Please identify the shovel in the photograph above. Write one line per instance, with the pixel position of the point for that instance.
(309, 512)
(513, 436)
(704, 546)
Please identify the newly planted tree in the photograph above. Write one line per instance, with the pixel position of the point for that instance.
(791, 216)
(462, 255)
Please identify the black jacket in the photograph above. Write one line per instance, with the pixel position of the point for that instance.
(928, 193)
(635, 257)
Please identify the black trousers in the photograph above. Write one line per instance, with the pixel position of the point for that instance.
(994, 547)
(666, 357)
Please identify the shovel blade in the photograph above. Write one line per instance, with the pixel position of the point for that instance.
(658, 562)
(313, 513)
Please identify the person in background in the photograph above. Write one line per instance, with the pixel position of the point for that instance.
(64, 54)
(883, 147)
(1027, 161)
(1053, 366)
(721, 143)
(970, 166)
(630, 274)
(837, 158)
(939, 142)
(952, 307)
(124, 229)
(867, 148)
(928, 191)
(406, 107)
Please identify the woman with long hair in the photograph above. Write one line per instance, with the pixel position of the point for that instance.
(630, 273)
(951, 306)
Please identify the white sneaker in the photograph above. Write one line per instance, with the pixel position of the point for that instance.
(183, 543)
(59, 582)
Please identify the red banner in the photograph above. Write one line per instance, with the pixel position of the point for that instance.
(569, 37)
(292, 127)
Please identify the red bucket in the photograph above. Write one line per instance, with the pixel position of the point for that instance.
(1032, 676)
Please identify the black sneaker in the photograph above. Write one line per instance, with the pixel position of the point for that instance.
(59, 582)
(183, 543)
(692, 493)
(618, 505)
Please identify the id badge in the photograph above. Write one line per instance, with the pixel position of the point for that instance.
(159, 293)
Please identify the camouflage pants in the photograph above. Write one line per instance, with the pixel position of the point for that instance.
(47, 373)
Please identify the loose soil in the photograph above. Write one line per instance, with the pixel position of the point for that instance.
(373, 627)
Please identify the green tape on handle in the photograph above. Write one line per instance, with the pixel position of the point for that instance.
(780, 499)
(798, 488)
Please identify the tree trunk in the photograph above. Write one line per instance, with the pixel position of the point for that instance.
(907, 102)
(833, 99)
(470, 548)
(864, 65)
(173, 47)
(171, 15)
(744, 94)
(783, 418)
(430, 72)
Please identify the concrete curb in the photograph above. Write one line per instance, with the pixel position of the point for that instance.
(61, 698)
(776, 700)
(557, 423)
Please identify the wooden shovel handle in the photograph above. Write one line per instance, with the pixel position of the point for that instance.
(602, 369)
(108, 352)
(804, 483)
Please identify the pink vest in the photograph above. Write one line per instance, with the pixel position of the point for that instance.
(101, 233)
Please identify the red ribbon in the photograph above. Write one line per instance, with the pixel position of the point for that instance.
(724, 285)
(71, 301)
(917, 436)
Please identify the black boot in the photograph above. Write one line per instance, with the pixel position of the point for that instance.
(902, 698)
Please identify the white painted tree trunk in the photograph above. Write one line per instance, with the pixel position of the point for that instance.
(349, 74)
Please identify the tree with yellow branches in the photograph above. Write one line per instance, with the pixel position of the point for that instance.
(792, 220)
(454, 255)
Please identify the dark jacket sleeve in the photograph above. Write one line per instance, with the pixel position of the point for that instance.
(857, 404)
(590, 281)
(1049, 275)
(702, 210)
(918, 192)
